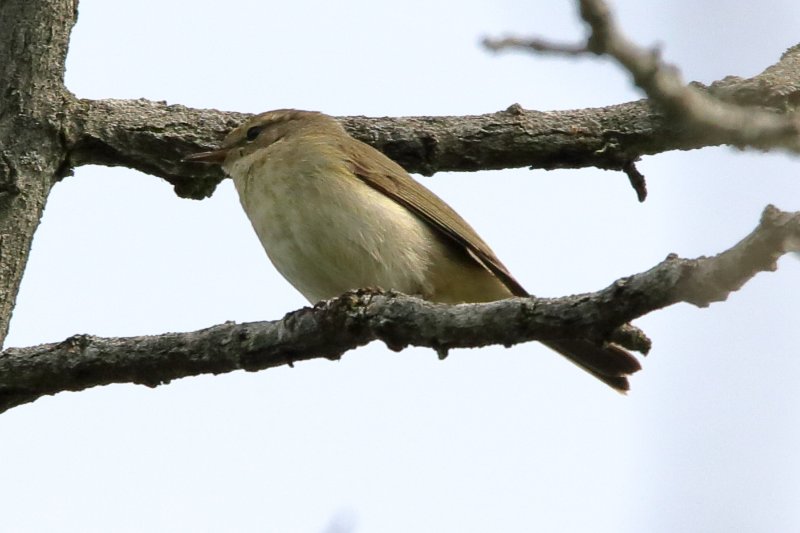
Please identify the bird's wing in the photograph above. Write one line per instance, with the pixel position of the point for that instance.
(608, 362)
(386, 176)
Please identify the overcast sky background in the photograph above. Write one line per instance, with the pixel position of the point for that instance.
(507, 440)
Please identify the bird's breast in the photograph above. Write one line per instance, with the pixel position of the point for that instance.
(326, 231)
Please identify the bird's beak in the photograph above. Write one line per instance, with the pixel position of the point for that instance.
(216, 157)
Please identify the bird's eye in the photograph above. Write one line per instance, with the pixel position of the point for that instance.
(253, 132)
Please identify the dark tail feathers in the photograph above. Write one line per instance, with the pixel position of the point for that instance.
(609, 363)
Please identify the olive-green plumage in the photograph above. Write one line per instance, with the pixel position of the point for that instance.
(335, 214)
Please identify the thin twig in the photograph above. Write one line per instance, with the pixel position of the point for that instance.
(689, 106)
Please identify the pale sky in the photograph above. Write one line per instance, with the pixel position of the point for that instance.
(506, 440)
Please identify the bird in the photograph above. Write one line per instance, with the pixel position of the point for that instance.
(335, 214)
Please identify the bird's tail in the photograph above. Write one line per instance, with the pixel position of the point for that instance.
(609, 363)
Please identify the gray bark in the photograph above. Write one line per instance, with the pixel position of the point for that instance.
(330, 329)
(45, 132)
(153, 137)
(33, 101)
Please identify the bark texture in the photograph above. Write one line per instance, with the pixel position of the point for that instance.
(153, 137)
(33, 46)
(45, 132)
(331, 328)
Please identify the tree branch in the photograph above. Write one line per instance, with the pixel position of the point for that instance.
(45, 132)
(33, 47)
(334, 327)
(153, 137)
(727, 111)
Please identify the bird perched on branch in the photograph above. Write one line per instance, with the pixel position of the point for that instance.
(335, 214)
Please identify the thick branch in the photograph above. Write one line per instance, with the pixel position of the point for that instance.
(153, 137)
(33, 47)
(332, 328)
